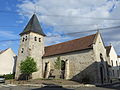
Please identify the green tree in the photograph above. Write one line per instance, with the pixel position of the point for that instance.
(28, 66)
(58, 63)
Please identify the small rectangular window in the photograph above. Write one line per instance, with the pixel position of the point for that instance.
(112, 62)
(35, 38)
(39, 39)
(23, 39)
(22, 50)
(116, 63)
(26, 38)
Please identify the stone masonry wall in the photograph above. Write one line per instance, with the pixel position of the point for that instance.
(99, 48)
(32, 48)
(81, 63)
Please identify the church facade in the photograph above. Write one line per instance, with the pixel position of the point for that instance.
(80, 59)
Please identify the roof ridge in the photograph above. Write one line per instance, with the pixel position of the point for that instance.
(79, 44)
(3, 51)
(71, 40)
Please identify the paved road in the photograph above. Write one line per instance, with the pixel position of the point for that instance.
(12, 87)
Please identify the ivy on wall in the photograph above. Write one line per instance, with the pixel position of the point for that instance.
(57, 64)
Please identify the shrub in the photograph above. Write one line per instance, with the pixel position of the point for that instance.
(27, 67)
(9, 76)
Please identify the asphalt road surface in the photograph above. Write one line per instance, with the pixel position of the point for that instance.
(8, 87)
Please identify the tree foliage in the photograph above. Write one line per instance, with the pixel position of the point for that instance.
(58, 63)
(28, 66)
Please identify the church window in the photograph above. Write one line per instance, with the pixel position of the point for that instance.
(39, 39)
(112, 62)
(116, 63)
(26, 38)
(35, 38)
(22, 50)
(23, 39)
(101, 58)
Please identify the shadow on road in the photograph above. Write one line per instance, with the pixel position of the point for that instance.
(115, 86)
(52, 87)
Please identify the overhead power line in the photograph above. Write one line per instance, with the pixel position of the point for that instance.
(58, 25)
(10, 26)
(86, 31)
(9, 40)
(82, 17)
(53, 15)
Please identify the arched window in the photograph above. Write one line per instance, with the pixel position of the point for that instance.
(35, 38)
(62, 65)
(26, 38)
(23, 39)
(39, 39)
(22, 50)
(112, 62)
(101, 57)
(118, 73)
(116, 63)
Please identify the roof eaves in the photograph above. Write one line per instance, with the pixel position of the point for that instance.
(66, 52)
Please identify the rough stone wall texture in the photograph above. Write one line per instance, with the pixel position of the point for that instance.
(81, 63)
(32, 48)
(85, 63)
(99, 48)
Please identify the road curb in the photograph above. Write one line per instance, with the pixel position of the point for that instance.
(64, 86)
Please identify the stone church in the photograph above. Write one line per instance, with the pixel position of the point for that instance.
(80, 59)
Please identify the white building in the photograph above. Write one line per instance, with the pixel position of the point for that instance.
(119, 64)
(113, 62)
(7, 61)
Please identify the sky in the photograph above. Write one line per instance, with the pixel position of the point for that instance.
(59, 17)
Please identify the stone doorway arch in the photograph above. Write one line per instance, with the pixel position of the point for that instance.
(62, 75)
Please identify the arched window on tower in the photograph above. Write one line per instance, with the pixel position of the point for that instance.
(23, 39)
(35, 38)
(22, 50)
(39, 39)
(26, 38)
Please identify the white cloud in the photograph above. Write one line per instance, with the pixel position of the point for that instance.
(7, 44)
(73, 8)
(8, 34)
(116, 45)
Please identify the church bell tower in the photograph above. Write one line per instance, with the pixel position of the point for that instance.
(32, 45)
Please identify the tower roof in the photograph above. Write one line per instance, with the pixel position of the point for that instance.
(33, 26)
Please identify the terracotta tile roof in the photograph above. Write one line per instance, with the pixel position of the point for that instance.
(108, 50)
(70, 46)
(3, 51)
(118, 56)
